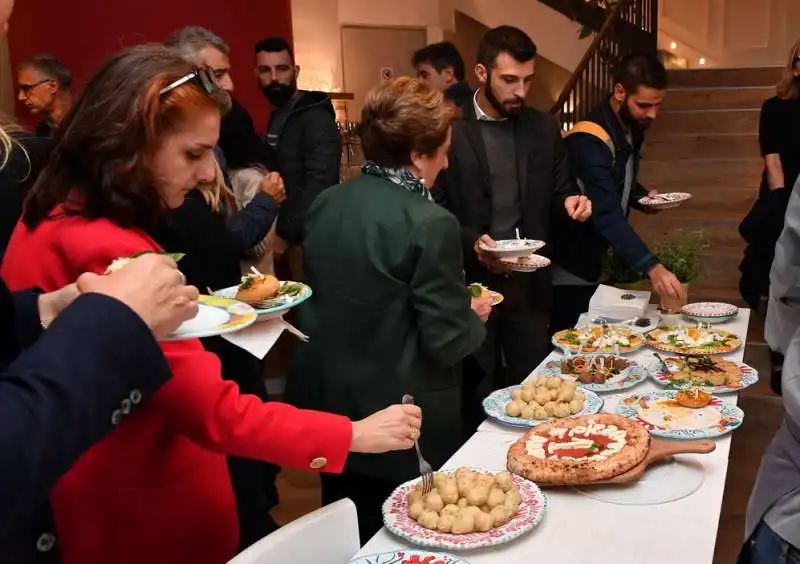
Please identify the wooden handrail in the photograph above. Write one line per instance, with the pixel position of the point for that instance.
(594, 47)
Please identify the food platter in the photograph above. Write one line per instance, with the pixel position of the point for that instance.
(278, 306)
(664, 417)
(408, 556)
(527, 263)
(682, 373)
(495, 407)
(693, 340)
(665, 201)
(215, 316)
(598, 373)
(528, 514)
(616, 339)
(512, 248)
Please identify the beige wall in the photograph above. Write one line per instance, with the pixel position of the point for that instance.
(732, 33)
(550, 78)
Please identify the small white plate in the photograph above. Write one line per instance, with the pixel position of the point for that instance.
(710, 311)
(529, 263)
(665, 201)
(513, 248)
(275, 307)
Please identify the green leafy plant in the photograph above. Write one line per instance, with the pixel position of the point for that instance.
(680, 254)
(619, 272)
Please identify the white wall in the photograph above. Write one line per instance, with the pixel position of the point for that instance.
(317, 44)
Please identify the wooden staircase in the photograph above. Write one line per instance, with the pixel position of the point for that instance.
(705, 141)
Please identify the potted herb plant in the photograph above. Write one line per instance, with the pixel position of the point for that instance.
(622, 276)
(680, 254)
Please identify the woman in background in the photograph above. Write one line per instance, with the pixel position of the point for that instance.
(391, 311)
(778, 137)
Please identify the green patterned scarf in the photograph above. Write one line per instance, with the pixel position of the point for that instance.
(399, 176)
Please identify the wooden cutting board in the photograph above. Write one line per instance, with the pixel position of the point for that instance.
(659, 450)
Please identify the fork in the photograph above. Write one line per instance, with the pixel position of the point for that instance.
(425, 469)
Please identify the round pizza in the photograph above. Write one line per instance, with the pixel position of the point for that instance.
(589, 448)
(693, 340)
(614, 339)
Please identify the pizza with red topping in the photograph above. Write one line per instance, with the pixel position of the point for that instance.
(584, 449)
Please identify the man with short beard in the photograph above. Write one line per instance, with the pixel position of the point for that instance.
(302, 130)
(605, 158)
(508, 173)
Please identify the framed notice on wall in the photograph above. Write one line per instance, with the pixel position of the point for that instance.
(387, 74)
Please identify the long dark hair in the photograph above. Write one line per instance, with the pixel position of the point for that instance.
(98, 167)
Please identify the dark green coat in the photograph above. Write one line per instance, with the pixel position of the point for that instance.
(390, 315)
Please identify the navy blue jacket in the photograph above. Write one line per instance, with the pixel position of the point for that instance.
(581, 248)
(70, 387)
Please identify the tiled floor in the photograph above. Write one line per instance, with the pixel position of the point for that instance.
(300, 490)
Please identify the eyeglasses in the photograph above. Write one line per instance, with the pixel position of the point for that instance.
(28, 88)
(202, 77)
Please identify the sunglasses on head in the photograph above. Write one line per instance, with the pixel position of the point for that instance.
(203, 77)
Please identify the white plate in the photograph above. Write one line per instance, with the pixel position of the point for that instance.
(628, 377)
(494, 405)
(709, 311)
(665, 201)
(529, 263)
(215, 316)
(512, 248)
(281, 305)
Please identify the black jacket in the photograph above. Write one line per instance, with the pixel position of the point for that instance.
(241, 144)
(581, 248)
(309, 155)
(544, 178)
(460, 94)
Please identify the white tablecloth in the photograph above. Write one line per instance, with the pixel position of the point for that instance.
(579, 530)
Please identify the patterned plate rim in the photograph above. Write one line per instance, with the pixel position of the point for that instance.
(542, 261)
(452, 558)
(684, 197)
(748, 373)
(307, 292)
(641, 371)
(667, 348)
(531, 245)
(534, 503)
(494, 404)
(237, 320)
(622, 350)
(687, 310)
(732, 411)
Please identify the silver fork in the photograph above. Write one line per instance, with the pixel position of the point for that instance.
(425, 469)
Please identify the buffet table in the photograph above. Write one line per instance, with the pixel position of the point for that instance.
(578, 529)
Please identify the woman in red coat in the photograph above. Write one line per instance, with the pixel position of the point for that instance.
(157, 489)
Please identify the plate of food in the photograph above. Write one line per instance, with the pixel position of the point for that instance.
(410, 556)
(539, 400)
(528, 263)
(665, 201)
(121, 262)
(479, 290)
(466, 509)
(598, 372)
(616, 339)
(269, 296)
(602, 448)
(712, 375)
(698, 340)
(710, 312)
(215, 316)
(682, 414)
(512, 248)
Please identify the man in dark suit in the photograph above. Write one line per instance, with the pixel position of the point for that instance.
(66, 391)
(508, 171)
(440, 65)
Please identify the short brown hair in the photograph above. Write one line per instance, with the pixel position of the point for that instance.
(789, 86)
(402, 116)
(103, 147)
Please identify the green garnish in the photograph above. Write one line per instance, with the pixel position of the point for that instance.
(475, 290)
(248, 281)
(290, 290)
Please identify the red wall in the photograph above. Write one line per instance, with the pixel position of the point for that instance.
(82, 33)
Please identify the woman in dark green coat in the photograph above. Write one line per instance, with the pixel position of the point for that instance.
(391, 313)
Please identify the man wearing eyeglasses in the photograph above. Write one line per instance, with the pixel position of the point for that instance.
(45, 88)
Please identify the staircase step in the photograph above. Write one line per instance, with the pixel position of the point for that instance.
(748, 97)
(665, 176)
(677, 147)
(750, 76)
(690, 122)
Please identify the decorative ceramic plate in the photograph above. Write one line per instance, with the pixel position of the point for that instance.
(622, 378)
(398, 522)
(747, 377)
(215, 316)
(494, 405)
(665, 201)
(277, 306)
(710, 310)
(693, 340)
(664, 417)
(615, 339)
(529, 263)
(512, 248)
(409, 557)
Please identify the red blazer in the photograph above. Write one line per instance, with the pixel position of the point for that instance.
(157, 490)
